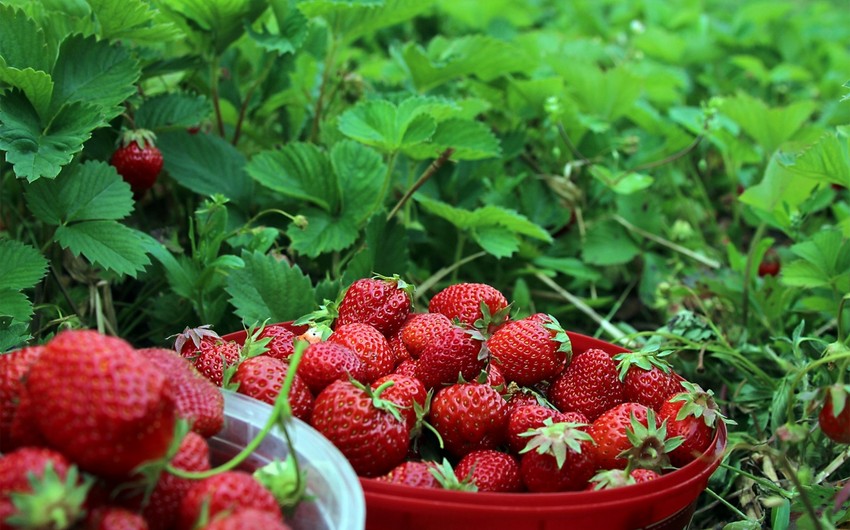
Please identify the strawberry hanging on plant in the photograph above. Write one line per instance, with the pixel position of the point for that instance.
(137, 160)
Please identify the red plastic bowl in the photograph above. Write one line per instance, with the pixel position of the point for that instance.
(666, 503)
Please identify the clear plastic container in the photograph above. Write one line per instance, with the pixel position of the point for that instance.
(338, 502)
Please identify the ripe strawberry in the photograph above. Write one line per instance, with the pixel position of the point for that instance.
(490, 470)
(462, 301)
(197, 399)
(225, 492)
(495, 378)
(214, 357)
(369, 344)
(324, 362)
(558, 457)
(398, 349)
(469, 416)
(164, 502)
(530, 350)
(366, 428)
(528, 417)
(262, 378)
(243, 518)
(457, 353)
(412, 473)
(100, 403)
(834, 416)
(138, 160)
(115, 518)
(407, 392)
(692, 415)
(589, 385)
(13, 368)
(617, 478)
(422, 329)
(647, 377)
(381, 302)
(629, 434)
(407, 367)
(281, 343)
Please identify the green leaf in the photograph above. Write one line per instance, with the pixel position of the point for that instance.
(22, 41)
(603, 94)
(471, 140)
(352, 19)
(134, 20)
(769, 127)
(94, 72)
(107, 244)
(497, 241)
(13, 335)
(622, 183)
(268, 288)
(824, 261)
(21, 266)
(15, 304)
(324, 233)
(172, 110)
(827, 160)
(386, 126)
(385, 250)
(89, 191)
(35, 84)
(484, 57)
(360, 174)
(218, 22)
(206, 165)
(780, 191)
(287, 37)
(36, 149)
(608, 243)
(182, 274)
(570, 267)
(298, 170)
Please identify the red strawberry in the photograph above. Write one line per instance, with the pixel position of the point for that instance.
(324, 362)
(13, 368)
(412, 473)
(366, 428)
(381, 302)
(164, 502)
(490, 470)
(407, 367)
(115, 518)
(834, 416)
(262, 378)
(495, 378)
(528, 417)
(589, 385)
(369, 344)
(244, 518)
(617, 478)
(407, 392)
(138, 160)
(101, 403)
(469, 416)
(197, 399)
(648, 378)
(628, 433)
(692, 415)
(281, 343)
(213, 356)
(558, 457)
(225, 492)
(422, 329)
(530, 350)
(463, 301)
(457, 353)
(398, 349)
(44, 476)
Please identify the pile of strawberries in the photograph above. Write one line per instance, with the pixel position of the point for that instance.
(464, 397)
(98, 435)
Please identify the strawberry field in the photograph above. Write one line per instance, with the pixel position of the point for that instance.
(671, 177)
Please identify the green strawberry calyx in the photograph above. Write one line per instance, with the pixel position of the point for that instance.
(401, 285)
(699, 403)
(446, 477)
(141, 137)
(650, 445)
(556, 439)
(645, 359)
(286, 481)
(561, 336)
(52, 502)
(490, 322)
(321, 319)
(612, 478)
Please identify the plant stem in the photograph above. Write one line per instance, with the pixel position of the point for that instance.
(728, 505)
(748, 267)
(320, 100)
(247, 100)
(427, 174)
(708, 262)
(388, 177)
(214, 71)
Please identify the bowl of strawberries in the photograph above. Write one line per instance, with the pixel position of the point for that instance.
(463, 414)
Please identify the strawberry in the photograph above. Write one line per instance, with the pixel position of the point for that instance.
(369, 344)
(281, 343)
(197, 399)
(398, 349)
(558, 457)
(100, 403)
(137, 160)
(469, 416)
(456, 353)
(422, 329)
(324, 362)
(164, 502)
(692, 415)
(834, 416)
(647, 377)
(225, 492)
(366, 428)
(243, 518)
(463, 301)
(14, 366)
(115, 518)
(214, 357)
(262, 377)
(412, 473)
(381, 302)
(530, 350)
(528, 417)
(490, 470)
(407, 367)
(617, 478)
(495, 378)
(589, 385)
(32, 478)
(407, 392)
(629, 434)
